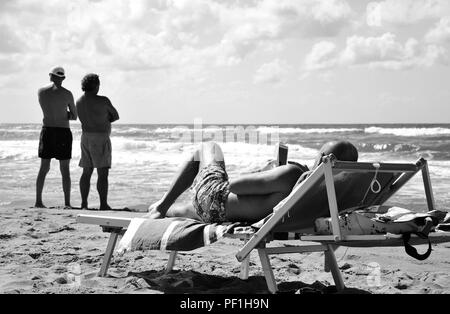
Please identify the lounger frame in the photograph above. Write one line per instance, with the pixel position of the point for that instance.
(328, 244)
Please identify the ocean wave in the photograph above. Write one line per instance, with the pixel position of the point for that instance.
(130, 144)
(282, 130)
(205, 129)
(130, 150)
(16, 134)
(158, 154)
(239, 147)
(131, 131)
(18, 150)
(248, 129)
(388, 147)
(19, 130)
(408, 132)
(172, 130)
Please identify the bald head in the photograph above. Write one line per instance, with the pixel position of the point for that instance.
(343, 150)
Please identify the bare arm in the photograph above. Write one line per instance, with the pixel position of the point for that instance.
(113, 114)
(73, 115)
(40, 97)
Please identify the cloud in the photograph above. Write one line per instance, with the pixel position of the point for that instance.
(140, 35)
(440, 34)
(10, 43)
(373, 52)
(322, 56)
(383, 51)
(271, 73)
(275, 20)
(405, 12)
(7, 67)
(438, 39)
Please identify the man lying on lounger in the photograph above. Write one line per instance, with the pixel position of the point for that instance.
(248, 198)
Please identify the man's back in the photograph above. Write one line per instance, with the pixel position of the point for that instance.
(55, 140)
(54, 102)
(96, 113)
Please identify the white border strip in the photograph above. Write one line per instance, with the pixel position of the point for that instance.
(125, 244)
(166, 235)
(206, 239)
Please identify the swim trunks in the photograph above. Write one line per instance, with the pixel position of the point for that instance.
(96, 151)
(210, 193)
(55, 143)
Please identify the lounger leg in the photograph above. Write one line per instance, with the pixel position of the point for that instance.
(245, 267)
(268, 273)
(332, 263)
(327, 266)
(428, 188)
(171, 262)
(108, 254)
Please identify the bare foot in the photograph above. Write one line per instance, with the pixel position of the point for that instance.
(105, 207)
(39, 205)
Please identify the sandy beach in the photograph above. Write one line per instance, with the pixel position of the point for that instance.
(46, 251)
(106, 104)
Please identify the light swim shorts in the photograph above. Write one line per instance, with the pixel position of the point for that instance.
(210, 193)
(95, 150)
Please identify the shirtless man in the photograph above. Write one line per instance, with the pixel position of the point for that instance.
(56, 138)
(96, 115)
(248, 198)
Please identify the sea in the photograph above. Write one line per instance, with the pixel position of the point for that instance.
(146, 157)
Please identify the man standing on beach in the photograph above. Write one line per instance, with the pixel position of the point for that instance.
(96, 115)
(56, 138)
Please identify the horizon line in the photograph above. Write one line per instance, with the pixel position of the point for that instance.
(263, 123)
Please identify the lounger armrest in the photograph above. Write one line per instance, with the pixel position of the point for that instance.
(368, 167)
(104, 221)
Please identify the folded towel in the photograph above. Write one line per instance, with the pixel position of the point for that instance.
(171, 234)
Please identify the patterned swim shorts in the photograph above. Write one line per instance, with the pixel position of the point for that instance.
(210, 192)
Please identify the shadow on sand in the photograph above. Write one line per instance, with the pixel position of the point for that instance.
(191, 282)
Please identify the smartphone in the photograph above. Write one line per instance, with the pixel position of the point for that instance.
(282, 154)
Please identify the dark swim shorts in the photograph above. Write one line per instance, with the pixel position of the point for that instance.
(210, 193)
(55, 143)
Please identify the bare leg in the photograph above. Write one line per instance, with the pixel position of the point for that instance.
(64, 167)
(102, 187)
(85, 186)
(206, 154)
(44, 169)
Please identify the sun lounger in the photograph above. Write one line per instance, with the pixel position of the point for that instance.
(333, 187)
(117, 227)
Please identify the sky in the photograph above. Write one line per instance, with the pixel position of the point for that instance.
(233, 61)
